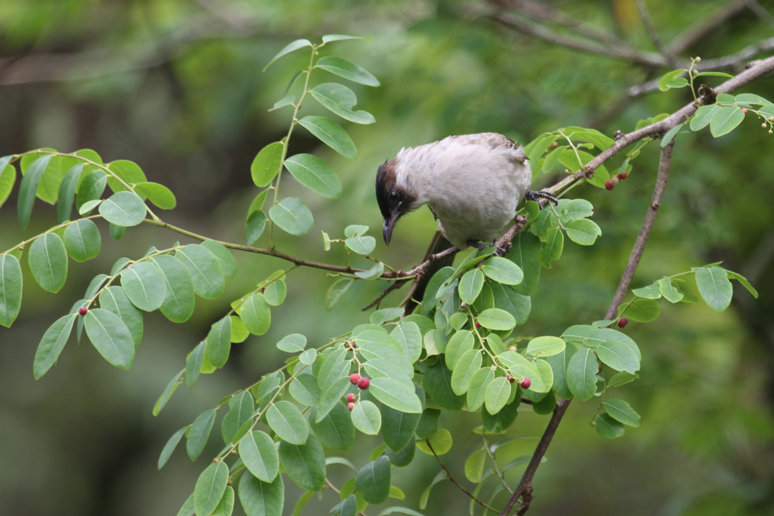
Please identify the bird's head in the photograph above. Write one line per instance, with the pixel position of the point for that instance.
(394, 199)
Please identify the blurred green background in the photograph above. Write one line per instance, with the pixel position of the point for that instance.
(176, 85)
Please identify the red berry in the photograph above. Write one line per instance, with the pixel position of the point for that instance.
(623, 321)
(82, 310)
(363, 383)
(350, 405)
(478, 324)
(622, 175)
(350, 397)
(511, 378)
(525, 383)
(609, 184)
(354, 378)
(744, 110)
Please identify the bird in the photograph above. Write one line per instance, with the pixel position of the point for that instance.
(472, 183)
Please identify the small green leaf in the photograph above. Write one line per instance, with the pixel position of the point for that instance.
(179, 303)
(224, 256)
(669, 291)
(725, 120)
(459, 344)
(670, 135)
(48, 262)
(642, 310)
(337, 289)
(335, 430)
(256, 314)
(210, 487)
(82, 240)
(267, 164)
(409, 336)
(477, 390)
(545, 346)
(651, 291)
(622, 412)
(703, 117)
(123, 209)
(329, 38)
(115, 300)
(470, 285)
(714, 287)
(145, 285)
(304, 463)
(158, 194)
(169, 390)
(110, 336)
(51, 344)
(315, 174)
(339, 100)
(373, 480)
(199, 433)
(64, 203)
(366, 417)
(205, 270)
(347, 70)
(583, 231)
(582, 374)
(11, 284)
(608, 427)
(496, 319)
(7, 179)
(496, 394)
(670, 80)
(29, 186)
(466, 366)
(742, 281)
(331, 134)
(91, 187)
(169, 447)
(292, 216)
(287, 422)
(219, 342)
(618, 355)
(258, 452)
(129, 171)
(502, 270)
(287, 49)
(293, 343)
(261, 498)
(396, 394)
(360, 244)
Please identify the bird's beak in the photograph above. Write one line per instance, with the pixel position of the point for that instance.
(389, 224)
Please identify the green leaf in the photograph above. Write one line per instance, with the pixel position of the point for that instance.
(292, 216)
(742, 281)
(267, 164)
(256, 314)
(348, 70)
(179, 303)
(145, 285)
(123, 209)
(441, 442)
(51, 344)
(622, 412)
(91, 187)
(462, 375)
(115, 300)
(618, 355)
(339, 100)
(82, 240)
(335, 430)
(199, 433)
(583, 231)
(366, 417)
(226, 505)
(714, 287)
(169, 390)
(703, 117)
(169, 447)
(502, 270)
(66, 192)
(409, 336)
(110, 336)
(496, 319)
(669, 80)
(670, 135)
(210, 487)
(237, 422)
(651, 291)
(396, 394)
(261, 498)
(287, 422)
(129, 171)
(459, 344)
(582, 374)
(219, 342)
(437, 384)
(11, 284)
(477, 389)
(48, 262)
(330, 133)
(315, 174)
(642, 310)
(205, 270)
(474, 465)
(329, 38)
(398, 427)
(608, 427)
(287, 49)
(725, 120)
(553, 246)
(29, 186)
(193, 363)
(545, 346)
(293, 343)
(470, 285)
(373, 480)
(304, 463)
(7, 179)
(259, 455)
(669, 291)
(158, 194)
(360, 244)
(374, 272)
(496, 394)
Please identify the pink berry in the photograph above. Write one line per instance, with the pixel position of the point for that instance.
(363, 383)
(744, 110)
(350, 405)
(623, 321)
(511, 378)
(478, 324)
(525, 383)
(609, 184)
(82, 310)
(350, 397)
(354, 378)
(622, 175)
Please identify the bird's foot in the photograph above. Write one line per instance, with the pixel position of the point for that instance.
(499, 251)
(534, 195)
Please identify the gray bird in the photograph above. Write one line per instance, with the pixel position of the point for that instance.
(471, 182)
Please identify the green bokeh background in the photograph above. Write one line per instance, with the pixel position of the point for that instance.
(176, 86)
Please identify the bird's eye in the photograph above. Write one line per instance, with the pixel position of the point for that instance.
(393, 196)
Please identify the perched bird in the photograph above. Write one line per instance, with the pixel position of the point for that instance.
(471, 182)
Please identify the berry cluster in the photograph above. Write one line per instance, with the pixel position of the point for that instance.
(610, 183)
(362, 383)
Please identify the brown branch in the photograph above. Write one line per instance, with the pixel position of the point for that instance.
(647, 21)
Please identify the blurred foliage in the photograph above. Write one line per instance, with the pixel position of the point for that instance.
(176, 86)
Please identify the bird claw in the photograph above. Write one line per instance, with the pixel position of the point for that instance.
(534, 195)
(499, 251)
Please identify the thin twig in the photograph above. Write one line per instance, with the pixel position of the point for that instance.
(494, 464)
(647, 21)
(455, 482)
